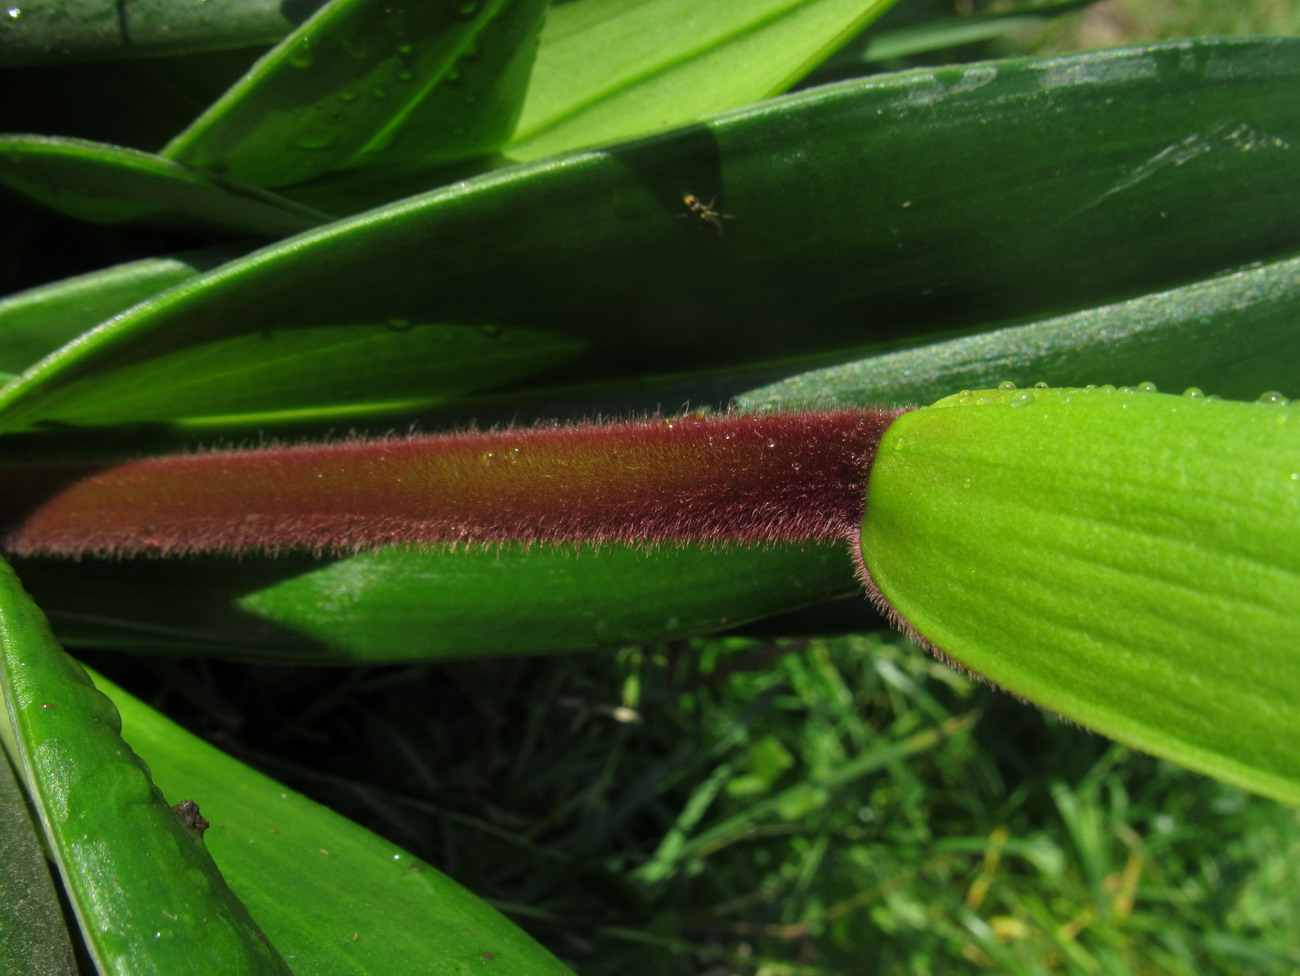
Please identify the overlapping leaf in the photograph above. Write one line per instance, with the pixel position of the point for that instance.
(866, 213)
(1129, 559)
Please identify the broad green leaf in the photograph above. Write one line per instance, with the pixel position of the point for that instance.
(80, 30)
(334, 897)
(105, 184)
(366, 81)
(33, 934)
(856, 223)
(1237, 334)
(610, 69)
(142, 885)
(36, 322)
(1130, 560)
(378, 606)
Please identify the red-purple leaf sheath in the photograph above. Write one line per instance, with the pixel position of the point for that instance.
(727, 478)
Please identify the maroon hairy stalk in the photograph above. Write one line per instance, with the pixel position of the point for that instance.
(713, 479)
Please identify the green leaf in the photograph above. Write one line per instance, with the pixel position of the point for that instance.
(146, 893)
(610, 69)
(366, 81)
(79, 30)
(334, 897)
(376, 606)
(1171, 338)
(33, 935)
(36, 322)
(105, 184)
(853, 218)
(1128, 559)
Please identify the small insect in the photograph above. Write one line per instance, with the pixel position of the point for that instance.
(703, 213)
(191, 819)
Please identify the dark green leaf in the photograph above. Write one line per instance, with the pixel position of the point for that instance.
(35, 323)
(864, 214)
(111, 185)
(80, 30)
(33, 934)
(1236, 334)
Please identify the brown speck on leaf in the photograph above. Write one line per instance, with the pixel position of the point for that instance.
(323, 851)
(194, 821)
(489, 955)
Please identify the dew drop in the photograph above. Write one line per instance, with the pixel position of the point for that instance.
(301, 56)
(898, 443)
(795, 465)
(490, 330)
(405, 48)
(467, 9)
(967, 483)
(405, 75)
(1146, 386)
(1006, 385)
(13, 13)
(348, 96)
(399, 325)
(771, 442)
(1022, 399)
(1272, 398)
(1041, 385)
(1194, 393)
(379, 94)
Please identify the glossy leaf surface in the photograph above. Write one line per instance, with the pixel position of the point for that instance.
(142, 885)
(1128, 559)
(365, 81)
(36, 322)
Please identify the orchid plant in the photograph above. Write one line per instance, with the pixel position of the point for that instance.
(510, 330)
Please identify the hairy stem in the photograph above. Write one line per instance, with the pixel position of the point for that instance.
(743, 478)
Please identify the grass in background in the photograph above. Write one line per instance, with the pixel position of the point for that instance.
(1111, 23)
(840, 806)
